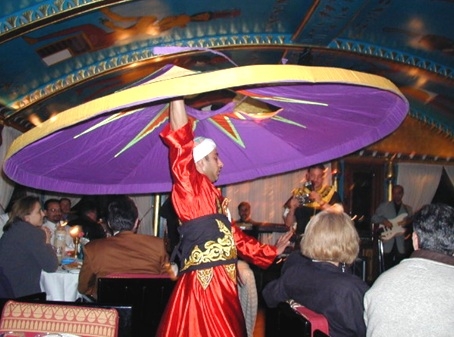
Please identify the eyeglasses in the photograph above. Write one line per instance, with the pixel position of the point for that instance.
(54, 210)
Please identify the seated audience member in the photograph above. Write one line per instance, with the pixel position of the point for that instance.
(53, 217)
(87, 218)
(317, 276)
(416, 297)
(65, 206)
(124, 252)
(25, 248)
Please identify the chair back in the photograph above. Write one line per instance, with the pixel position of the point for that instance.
(38, 297)
(33, 318)
(124, 311)
(317, 321)
(124, 314)
(148, 295)
(294, 320)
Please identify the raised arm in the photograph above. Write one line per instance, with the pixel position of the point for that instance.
(178, 116)
(289, 212)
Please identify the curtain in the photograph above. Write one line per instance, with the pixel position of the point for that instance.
(420, 182)
(145, 207)
(8, 134)
(266, 195)
(450, 172)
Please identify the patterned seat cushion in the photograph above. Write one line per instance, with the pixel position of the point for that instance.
(32, 318)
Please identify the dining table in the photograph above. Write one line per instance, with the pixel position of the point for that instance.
(61, 285)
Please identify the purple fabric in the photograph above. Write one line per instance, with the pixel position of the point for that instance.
(355, 117)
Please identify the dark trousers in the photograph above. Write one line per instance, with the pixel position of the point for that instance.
(393, 257)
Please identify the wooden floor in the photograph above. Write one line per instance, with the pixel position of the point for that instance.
(259, 330)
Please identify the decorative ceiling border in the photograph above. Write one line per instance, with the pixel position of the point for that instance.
(133, 53)
(387, 156)
(391, 54)
(38, 12)
(432, 122)
(44, 13)
(142, 51)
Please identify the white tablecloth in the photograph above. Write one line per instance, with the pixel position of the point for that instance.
(61, 285)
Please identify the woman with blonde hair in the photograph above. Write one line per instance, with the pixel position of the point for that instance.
(319, 276)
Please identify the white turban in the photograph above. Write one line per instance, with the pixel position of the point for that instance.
(203, 147)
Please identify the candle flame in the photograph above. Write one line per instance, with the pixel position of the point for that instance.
(74, 231)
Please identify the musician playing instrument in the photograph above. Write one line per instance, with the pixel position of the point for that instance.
(305, 202)
(394, 248)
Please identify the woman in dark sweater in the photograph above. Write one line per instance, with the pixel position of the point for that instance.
(318, 278)
(25, 248)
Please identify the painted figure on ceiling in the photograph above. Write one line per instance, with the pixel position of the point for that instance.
(122, 28)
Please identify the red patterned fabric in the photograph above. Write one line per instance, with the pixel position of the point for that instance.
(33, 318)
(193, 194)
(204, 302)
(250, 250)
(211, 312)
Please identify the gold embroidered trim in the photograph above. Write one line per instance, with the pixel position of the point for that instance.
(231, 271)
(222, 249)
(205, 276)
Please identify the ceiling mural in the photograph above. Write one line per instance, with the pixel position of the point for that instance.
(58, 54)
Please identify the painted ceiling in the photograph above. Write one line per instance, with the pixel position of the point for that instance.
(58, 54)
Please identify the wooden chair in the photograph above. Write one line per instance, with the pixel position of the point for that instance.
(32, 318)
(148, 295)
(292, 319)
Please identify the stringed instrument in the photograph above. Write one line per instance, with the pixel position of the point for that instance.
(398, 228)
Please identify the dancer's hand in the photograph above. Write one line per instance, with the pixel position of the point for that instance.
(283, 242)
